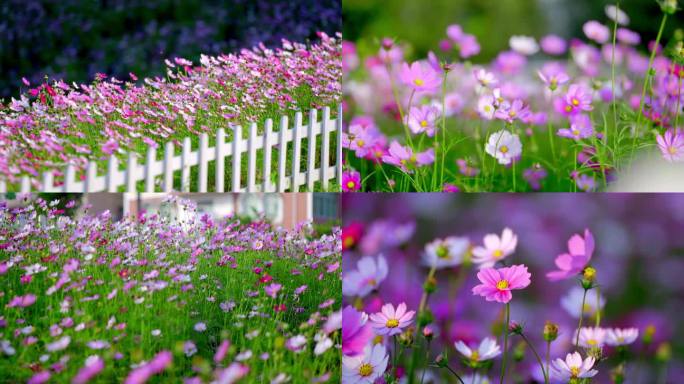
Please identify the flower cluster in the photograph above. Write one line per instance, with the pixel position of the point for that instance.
(200, 300)
(479, 307)
(535, 107)
(58, 123)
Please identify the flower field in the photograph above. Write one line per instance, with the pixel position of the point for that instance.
(547, 114)
(150, 299)
(57, 123)
(512, 289)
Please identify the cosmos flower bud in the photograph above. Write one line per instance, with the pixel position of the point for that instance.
(430, 285)
(649, 332)
(664, 352)
(387, 43)
(588, 277)
(519, 351)
(428, 333)
(515, 327)
(442, 359)
(550, 331)
(668, 6)
(617, 375)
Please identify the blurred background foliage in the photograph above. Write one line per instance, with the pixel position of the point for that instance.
(423, 23)
(75, 39)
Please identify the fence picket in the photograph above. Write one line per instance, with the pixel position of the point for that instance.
(149, 169)
(325, 147)
(237, 150)
(90, 177)
(168, 167)
(311, 154)
(296, 151)
(70, 178)
(338, 122)
(111, 180)
(251, 158)
(268, 131)
(220, 160)
(282, 153)
(202, 159)
(185, 165)
(133, 173)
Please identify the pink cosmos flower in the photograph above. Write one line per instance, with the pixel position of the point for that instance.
(626, 36)
(579, 254)
(356, 331)
(553, 76)
(596, 31)
(495, 248)
(404, 158)
(232, 374)
(553, 45)
(272, 289)
(585, 182)
(391, 322)
(90, 370)
(671, 145)
(534, 175)
(420, 77)
(516, 110)
(485, 78)
(576, 99)
(22, 301)
(590, 337)
(368, 277)
(498, 283)
(573, 367)
(39, 378)
(351, 181)
(423, 119)
(618, 336)
(580, 128)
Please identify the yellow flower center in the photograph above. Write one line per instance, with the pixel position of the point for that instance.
(365, 370)
(413, 159)
(575, 132)
(360, 143)
(575, 102)
(372, 282)
(592, 342)
(568, 108)
(418, 82)
(503, 149)
(512, 113)
(502, 284)
(475, 356)
(487, 108)
(348, 241)
(378, 340)
(574, 371)
(392, 323)
(351, 185)
(498, 253)
(423, 123)
(672, 150)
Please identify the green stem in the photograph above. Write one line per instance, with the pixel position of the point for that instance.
(444, 88)
(548, 356)
(421, 308)
(581, 315)
(647, 79)
(454, 373)
(598, 307)
(405, 122)
(505, 351)
(544, 372)
(514, 178)
(422, 376)
(395, 357)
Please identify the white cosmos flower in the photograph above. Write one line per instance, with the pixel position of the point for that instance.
(365, 368)
(485, 107)
(487, 350)
(446, 253)
(58, 345)
(573, 367)
(572, 301)
(622, 17)
(591, 337)
(504, 146)
(525, 45)
(617, 336)
(366, 278)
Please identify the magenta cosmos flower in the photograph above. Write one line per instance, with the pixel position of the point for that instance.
(351, 181)
(356, 331)
(580, 128)
(420, 77)
(22, 301)
(576, 99)
(498, 283)
(390, 321)
(578, 256)
(403, 157)
(671, 144)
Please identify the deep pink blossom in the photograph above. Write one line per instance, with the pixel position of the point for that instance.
(576, 259)
(498, 283)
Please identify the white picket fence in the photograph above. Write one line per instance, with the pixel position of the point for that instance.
(114, 177)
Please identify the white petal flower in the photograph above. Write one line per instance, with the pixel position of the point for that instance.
(504, 146)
